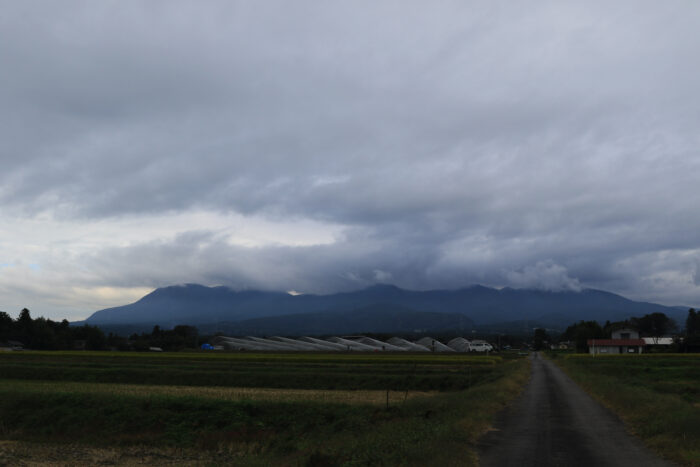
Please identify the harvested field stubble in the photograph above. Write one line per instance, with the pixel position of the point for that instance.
(220, 393)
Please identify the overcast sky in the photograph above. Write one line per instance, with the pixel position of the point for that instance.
(326, 146)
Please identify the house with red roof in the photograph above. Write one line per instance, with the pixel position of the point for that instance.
(623, 341)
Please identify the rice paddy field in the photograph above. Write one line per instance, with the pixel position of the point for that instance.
(656, 395)
(289, 371)
(250, 408)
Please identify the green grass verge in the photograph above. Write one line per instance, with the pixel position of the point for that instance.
(440, 429)
(656, 396)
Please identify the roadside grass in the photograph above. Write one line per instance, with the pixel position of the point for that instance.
(656, 395)
(664, 373)
(439, 428)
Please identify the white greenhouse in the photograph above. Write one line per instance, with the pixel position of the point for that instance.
(340, 344)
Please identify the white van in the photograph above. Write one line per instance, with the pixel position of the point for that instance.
(480, 346)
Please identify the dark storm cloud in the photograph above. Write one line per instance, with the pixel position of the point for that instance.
(550, 145)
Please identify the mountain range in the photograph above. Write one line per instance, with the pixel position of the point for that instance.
(380, 308)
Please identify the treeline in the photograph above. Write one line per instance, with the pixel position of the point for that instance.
(179, 338)
(651, 325)
(45, 334)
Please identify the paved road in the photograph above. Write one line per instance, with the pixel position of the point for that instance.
(555, 423)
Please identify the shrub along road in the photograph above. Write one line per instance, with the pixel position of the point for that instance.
(555, 423)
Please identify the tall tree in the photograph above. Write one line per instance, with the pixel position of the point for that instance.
(691, 343)
(25, 327)
(581, 332)
(540, 339)
(6, 326)
(692, 323)
(654, 325)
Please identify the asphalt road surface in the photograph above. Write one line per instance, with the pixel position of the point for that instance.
(555, 423)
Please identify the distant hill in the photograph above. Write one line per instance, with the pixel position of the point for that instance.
(199, 305)
(372, 319)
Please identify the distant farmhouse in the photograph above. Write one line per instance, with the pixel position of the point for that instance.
(623, 341)
(563, 345)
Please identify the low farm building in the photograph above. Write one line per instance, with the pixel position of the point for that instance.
(662, 341)
(623, 341)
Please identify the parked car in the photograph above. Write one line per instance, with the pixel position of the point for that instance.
(480, 346)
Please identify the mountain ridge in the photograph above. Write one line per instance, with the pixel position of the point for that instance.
(198, 304)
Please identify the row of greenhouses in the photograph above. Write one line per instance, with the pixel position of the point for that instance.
(348, 344)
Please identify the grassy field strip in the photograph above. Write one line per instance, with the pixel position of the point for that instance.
(284, 371)
(644, 356)
(655, 395)
(252, 409)
(223, 393)
(439, 430)
(352, 357)
(19, 453)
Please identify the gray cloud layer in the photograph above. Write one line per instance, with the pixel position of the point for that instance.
(552, 145)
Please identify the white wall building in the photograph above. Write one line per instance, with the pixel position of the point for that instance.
(624, 341)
